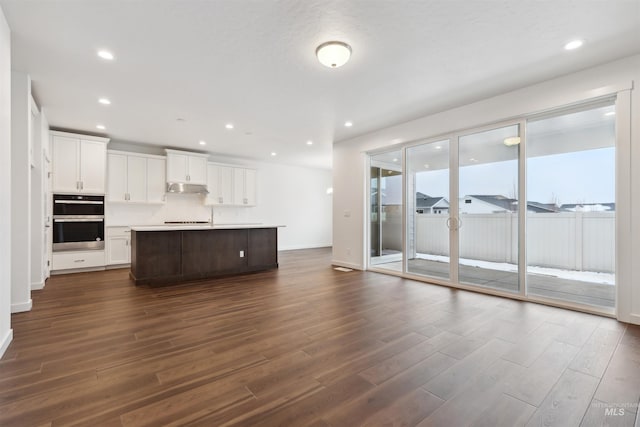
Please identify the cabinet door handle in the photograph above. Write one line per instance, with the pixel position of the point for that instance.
(188, 177)
(246, 201)
(126, 243)
(219, 199)
(82, 185)
(77, 185)
(78, 260)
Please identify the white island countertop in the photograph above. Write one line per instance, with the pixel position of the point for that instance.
(202, 227)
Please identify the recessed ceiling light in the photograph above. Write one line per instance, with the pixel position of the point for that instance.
(395, 160)
(105, 54)
(472, 160)
(426, 166)
(203, 143)
(573, 44)
(104, 101)
(101, 127)
(610, 113)
(229, 125)
(273, 153)
(438, 147)
(514, 140)
(348, 124)
(333, 54)
(309, 142)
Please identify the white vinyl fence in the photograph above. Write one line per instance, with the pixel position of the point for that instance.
(581, 241)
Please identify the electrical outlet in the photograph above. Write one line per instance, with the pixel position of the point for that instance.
(241, 254)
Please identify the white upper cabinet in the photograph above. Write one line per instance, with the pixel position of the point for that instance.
(231, 186)
(197, 170)
(244, 186)
(220, 185)
(135, 178)
(185, 167)
(156, 179)
(79, 163)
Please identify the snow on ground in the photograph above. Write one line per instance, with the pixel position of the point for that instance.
(582, 276)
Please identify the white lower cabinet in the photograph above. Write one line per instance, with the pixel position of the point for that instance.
(72, 260)
(118, 245)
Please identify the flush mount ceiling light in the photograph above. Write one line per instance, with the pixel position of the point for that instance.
(309, 142)
(105, 54)
(348, 124)
(104, 101)
(101, 127)
(229, 126)
(333, 54)
(514, 140)
(203, 142)
(573, 44)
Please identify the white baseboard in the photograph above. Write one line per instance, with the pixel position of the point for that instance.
(296, 247)
(6, 340)
(23, 306)
(635, 319)
(37, 285)
(346, 264)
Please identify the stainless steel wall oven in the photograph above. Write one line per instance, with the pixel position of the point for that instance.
(78, 222)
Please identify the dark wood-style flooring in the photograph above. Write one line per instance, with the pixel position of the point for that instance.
(306, 345)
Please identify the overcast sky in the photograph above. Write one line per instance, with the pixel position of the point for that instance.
(576, 177)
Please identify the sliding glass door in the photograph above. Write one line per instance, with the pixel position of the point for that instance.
(385, 211)
(488, 212)
(428, 209)
(526, 207)
(571, 225)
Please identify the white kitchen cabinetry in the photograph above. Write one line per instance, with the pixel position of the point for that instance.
(79, 163)
(231, 186)
(73, 260)
(118, 245)
(220, 185)
(244, 186)
(156, 179)
(186, 167)
(135, 178)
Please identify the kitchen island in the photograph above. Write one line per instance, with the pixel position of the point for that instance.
(173, 254)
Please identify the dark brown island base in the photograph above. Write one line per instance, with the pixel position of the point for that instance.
(162, 255)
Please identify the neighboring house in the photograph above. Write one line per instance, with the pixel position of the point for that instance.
(537, 207)
(480, 204)
(483, 204)
(431, 205)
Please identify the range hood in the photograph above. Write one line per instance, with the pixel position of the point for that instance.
(181, 187)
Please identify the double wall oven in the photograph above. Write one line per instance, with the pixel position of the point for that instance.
(78, 222)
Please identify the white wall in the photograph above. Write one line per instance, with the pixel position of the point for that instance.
(6, 333)
(286, 195)
(40, 142)
(20, 192)
(349, 159)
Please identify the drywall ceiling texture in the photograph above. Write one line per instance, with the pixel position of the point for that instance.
(252, 63)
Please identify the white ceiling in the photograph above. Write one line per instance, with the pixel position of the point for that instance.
(252, 63)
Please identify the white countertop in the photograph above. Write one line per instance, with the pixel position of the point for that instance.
(201, 227)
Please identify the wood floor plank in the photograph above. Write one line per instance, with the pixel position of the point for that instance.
(305, 345)
(567, 402)
(451, 381)
(475, 396)
(596, 353)
(535, 382)
(377, 399)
